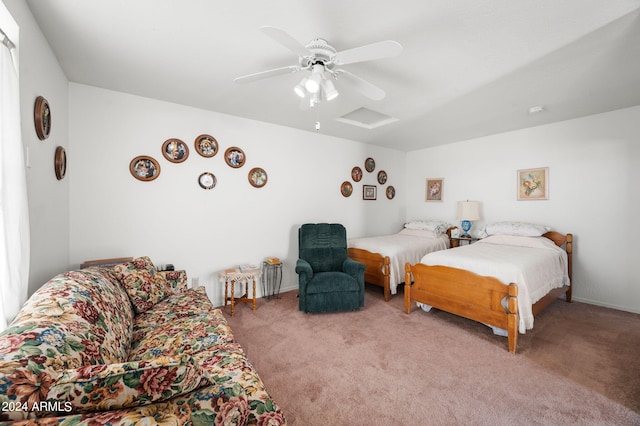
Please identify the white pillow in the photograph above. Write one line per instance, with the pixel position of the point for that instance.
(437, 226)
(422, 233)
(516, 228)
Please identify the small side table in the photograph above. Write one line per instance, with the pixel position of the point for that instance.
(243, 278)
(271, 279)
(460, 241)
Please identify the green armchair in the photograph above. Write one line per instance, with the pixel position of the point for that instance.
(328, 280)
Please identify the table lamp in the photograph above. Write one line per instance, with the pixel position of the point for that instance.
(467, 212)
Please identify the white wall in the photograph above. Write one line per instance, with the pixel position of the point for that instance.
(173, 220)
(593, 164)
(41, 75)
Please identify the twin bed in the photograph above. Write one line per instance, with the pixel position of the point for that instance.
(384, 257)
(503, 280)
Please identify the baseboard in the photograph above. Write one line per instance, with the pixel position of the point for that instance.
(605, 305)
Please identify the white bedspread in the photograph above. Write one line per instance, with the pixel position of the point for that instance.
(535, 264)
(400, 249)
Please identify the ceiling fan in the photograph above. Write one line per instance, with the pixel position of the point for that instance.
(323, 63)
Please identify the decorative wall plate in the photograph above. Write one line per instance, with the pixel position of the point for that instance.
(42, 118)
(206, 145)
(370, 164)
(207, 180)
(175, 150)
(60, 163)
(356, 174)
(382, 177)
(144, 168)
(391, 192)
(346, 189)
(258, 177)
(234, 157)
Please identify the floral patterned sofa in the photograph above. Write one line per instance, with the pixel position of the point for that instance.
(126, 345)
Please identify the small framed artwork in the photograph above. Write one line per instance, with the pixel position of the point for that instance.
(206, 145)
(356, 174)
(234, 157)
(533, 184)
(144, 168)
(382, 177)
(346, 189)
(60, 162)
(369, 192)
(435, 187)
(257, 177)
(42, 118)
(175, 150)
(370, 164)
(391, 192)
(207, 180)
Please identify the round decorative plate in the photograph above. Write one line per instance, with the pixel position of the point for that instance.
(346, 189)
(175, 150)
(382, 177)
(258, 177)
(234, 157)
(391, 192)
(60, 162)
(42, 117)
(356, 174)
(206, 145)
(370, 164)
(207, 180)
(144, 168)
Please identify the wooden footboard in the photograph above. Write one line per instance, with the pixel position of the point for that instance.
(377, 269)
(464, 293)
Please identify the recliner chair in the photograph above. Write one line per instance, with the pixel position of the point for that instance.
(328, 280)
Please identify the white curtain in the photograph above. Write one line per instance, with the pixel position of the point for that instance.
(14, 213)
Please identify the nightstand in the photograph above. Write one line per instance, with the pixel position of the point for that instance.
(461, 241)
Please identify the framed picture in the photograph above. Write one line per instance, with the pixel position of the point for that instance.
(60, 162)
(356, 174)
(234, 157)
(369, 192)
(207, 180)
(435, 188)
(175, 150)
(346, 189)
(206, 145)
(144, 168)
(533, 184)
(382, 177)
(391, 192)
(257, 177)
(370, 164)
(42, 118)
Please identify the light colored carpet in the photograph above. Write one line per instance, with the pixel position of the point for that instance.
(379, 366)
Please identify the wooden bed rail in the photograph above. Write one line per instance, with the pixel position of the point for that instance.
(377, 270)
(466, 294)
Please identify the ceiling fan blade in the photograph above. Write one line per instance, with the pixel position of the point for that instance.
(266, 74)
(286, 40)
(370, 52)
(363, 86)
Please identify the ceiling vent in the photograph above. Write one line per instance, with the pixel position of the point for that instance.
(364, 117)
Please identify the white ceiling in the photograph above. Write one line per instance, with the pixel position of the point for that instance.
(469, 68)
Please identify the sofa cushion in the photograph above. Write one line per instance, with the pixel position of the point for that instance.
(129, 384)
(77, 318)
(143, 284)
(185, 323)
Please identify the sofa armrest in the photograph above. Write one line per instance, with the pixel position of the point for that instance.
(303, 269)
(353, 268)
(176, 281)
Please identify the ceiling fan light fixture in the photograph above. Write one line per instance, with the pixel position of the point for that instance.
(330, 91)
(299, 89)
(313, 83)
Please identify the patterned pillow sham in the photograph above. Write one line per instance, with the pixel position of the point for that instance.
(176, 281)
(437, 226)
(142, 282)
(129, 384)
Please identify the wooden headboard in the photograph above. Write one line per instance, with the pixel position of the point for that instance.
(105, 262)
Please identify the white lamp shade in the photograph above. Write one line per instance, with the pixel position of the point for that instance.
(313, 83)
(299, 89)
(468, 210)
(330, 91)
